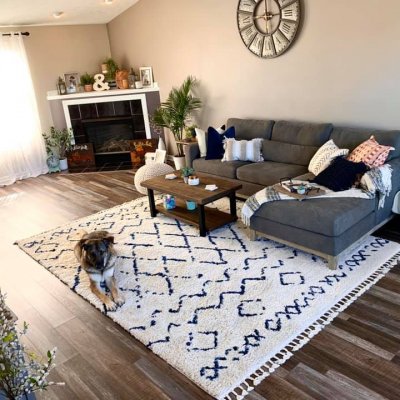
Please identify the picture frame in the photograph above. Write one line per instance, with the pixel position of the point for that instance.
(72, 81)
(146, 76)
(160, 156)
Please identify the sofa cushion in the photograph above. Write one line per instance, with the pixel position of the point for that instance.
(329, 217)
(268, 172)
(216, 167)
(307, 134)
(351, 138)
(287, 153)
(247, 129)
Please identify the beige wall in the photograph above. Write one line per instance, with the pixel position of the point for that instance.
(344, 66)
(55, 50)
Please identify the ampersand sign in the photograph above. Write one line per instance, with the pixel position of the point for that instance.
(99, 84)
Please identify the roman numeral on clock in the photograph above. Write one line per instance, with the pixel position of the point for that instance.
(247, 5)
(244, 19)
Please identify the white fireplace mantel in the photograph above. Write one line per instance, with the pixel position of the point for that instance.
(53, 94)
(113, 95)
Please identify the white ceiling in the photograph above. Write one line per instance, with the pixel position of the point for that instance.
(76, 12)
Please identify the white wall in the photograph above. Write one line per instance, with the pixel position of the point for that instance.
(343, 67)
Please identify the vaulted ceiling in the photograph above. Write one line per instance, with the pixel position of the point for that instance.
(74, 12)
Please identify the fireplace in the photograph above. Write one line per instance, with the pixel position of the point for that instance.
(109, 123)
(111, 135)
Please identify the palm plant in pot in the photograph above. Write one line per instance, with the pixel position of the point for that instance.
(58, 142)
(21, 374)
(87, 81)
(175, 113)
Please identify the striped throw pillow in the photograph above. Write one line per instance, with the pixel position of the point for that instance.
(324, 156)
(370, 153)
(243, 150)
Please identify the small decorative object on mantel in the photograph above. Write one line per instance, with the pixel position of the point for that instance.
(146, 76)
(111, 68)
(87, 81)
(72, 82)
(99, 83)
(121, 77)
(61, 88)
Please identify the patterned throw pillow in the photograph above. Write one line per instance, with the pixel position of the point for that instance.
(243, 150)
(370, 153)
(324, 156)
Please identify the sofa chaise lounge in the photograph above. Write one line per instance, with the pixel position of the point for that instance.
(326, 227)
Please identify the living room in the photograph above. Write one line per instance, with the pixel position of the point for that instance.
(339, 68)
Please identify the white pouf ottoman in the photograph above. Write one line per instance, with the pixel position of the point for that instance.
(150, 171)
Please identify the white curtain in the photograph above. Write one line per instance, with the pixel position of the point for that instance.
(22, 150)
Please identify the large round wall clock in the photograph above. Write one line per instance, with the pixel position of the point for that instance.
(268, 27)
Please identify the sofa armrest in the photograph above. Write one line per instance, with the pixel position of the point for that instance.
(395, 164)
(192, 152)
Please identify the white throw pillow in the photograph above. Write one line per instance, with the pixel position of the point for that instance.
(243, 150)
(324, 156)
(201, 139)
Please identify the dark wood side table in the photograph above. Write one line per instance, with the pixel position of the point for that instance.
(205, 218)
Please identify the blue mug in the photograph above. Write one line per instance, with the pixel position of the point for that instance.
(190, 205)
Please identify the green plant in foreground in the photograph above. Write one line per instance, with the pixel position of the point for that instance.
(177, 109)
(58, 141)
(20, 371)
(187, 171)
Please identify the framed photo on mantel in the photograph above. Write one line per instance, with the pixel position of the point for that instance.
(72, 82)
(146, 76)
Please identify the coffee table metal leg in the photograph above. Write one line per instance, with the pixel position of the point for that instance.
(152, 204)
(202, 220)
(232, 204)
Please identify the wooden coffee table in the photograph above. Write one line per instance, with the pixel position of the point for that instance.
(205, 218)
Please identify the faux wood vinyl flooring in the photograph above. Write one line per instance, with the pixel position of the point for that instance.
(356, 357)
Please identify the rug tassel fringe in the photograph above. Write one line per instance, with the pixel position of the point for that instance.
(249, 384)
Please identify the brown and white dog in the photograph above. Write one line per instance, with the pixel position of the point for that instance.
(95, 252)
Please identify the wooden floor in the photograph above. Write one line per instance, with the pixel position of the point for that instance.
(356, 357)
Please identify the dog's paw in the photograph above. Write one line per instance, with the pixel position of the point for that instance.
(110, 306)
(119, 300)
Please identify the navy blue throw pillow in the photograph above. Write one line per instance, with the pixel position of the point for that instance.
(215, 142)
(341, 174)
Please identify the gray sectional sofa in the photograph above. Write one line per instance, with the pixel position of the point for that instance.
(325, 227)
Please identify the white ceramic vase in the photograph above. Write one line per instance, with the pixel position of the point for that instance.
(179, 162)
(63, 164)
(161, 144)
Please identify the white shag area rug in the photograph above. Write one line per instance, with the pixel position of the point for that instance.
(223, 310)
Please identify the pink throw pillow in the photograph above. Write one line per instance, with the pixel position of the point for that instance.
(370, 153)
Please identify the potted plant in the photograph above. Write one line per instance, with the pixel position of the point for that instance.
(186, 172)
(175, 112)
(58, 142)
(87, 81)
(21, 374)
(112, 68)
